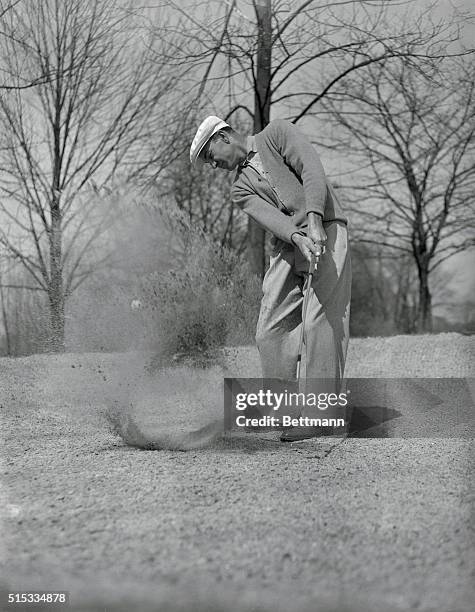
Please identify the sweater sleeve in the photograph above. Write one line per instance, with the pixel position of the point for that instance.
(266, 215)
(300, 155)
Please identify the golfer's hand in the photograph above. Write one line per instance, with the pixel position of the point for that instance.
(316, 232)
(307, 247)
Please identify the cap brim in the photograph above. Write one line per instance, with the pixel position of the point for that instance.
(198, 159)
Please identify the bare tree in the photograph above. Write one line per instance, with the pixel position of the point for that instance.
(410, 137)
(15, 43)
(24, 314)
(68, 137)
(253, 56)
(383, 296)
(203, 197)
(4, 308)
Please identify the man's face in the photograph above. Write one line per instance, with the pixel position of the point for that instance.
(221, 152)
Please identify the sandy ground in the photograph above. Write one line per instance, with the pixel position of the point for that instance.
(246, 523)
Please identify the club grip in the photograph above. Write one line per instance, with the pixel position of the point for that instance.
(313, 263)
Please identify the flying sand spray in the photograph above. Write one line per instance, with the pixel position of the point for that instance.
(123, 421)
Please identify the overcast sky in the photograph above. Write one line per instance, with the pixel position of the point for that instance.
(445, 8)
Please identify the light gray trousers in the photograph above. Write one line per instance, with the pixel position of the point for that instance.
(327, 321)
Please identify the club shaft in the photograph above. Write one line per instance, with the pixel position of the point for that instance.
(306, 295)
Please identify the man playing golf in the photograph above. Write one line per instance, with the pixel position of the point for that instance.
(281, 184)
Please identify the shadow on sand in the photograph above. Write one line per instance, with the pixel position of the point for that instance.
(372, 422)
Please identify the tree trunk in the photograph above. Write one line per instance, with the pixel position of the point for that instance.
(55, 289)
(256, 234)
(5, 322)
(56, 303)
(424, 321)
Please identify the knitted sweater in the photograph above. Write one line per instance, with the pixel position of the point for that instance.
(295, 173)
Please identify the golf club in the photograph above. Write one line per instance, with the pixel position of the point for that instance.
(312, 268)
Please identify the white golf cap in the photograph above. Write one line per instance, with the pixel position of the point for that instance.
(207, 128)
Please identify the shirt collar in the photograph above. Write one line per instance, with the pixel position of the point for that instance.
(251, 144)
(251, 151)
